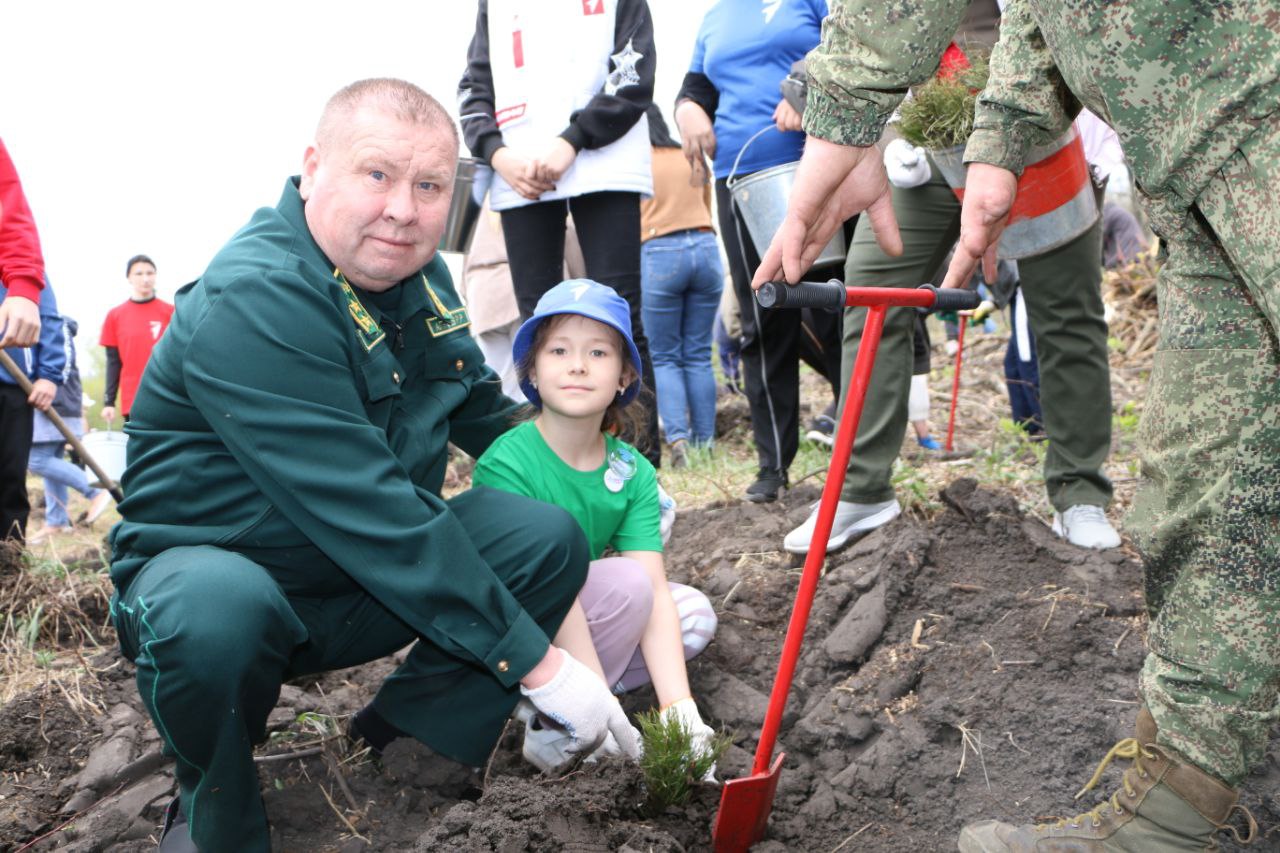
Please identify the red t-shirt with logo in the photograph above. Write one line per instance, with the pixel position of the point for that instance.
(133, 329)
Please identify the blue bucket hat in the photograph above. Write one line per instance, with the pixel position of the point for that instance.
(589, 299)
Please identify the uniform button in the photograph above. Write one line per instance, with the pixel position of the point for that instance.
(459, 364)
(503, 666)
(395, 376)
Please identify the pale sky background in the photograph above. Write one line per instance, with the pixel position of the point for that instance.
(157, 128)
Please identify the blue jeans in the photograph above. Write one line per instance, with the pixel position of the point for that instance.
(681, 279)
(59, 474)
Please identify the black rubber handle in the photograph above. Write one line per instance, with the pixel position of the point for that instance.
(806, 294)
(952, 299)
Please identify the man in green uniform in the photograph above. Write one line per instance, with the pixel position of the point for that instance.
(1193, 90)
(282, 511)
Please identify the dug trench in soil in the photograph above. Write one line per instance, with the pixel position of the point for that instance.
(967, 667)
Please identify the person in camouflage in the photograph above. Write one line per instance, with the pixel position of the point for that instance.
(1193, 90)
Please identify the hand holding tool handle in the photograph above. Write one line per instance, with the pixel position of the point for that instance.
(806, 294)
(952, 299)
(25, 384)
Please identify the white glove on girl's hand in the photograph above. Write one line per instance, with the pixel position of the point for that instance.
(579, 701)
(687, 713)
(906, 164)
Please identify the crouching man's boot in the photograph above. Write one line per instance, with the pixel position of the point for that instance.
(1163, 805)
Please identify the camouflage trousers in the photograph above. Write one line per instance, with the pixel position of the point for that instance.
(1208, 517)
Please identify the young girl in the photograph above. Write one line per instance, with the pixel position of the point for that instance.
(577, 363)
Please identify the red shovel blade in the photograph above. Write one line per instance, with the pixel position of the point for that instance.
(744, 809)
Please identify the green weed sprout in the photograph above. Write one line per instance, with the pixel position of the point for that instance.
(670, 768)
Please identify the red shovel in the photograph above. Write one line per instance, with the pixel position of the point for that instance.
(745, 803)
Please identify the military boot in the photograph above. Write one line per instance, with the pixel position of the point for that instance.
(1163, 805)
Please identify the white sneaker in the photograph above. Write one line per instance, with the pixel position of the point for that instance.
(851, 519)
(1086, 526)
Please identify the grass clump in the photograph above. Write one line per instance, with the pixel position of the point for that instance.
(670, 766)
(939, 114)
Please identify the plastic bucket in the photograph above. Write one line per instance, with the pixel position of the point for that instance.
(1055, 203)
(107, 449)
(470, 184)
(762, 198)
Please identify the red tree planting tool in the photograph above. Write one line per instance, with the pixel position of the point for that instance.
(745, 803)
(963, 320)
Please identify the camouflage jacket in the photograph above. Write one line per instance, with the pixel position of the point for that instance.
(1183, 82)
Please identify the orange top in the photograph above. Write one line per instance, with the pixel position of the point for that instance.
(675, 205)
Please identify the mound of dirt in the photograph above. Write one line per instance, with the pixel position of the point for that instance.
(969, 667)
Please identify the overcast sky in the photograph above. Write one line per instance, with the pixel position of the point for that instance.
(155, 127)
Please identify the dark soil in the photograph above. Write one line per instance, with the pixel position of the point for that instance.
(1022, 676)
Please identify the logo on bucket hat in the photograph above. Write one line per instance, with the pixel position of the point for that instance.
(589, 299)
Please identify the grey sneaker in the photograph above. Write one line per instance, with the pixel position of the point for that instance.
(1086, 526)
(851, 519)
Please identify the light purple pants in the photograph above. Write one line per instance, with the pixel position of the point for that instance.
(618, 598)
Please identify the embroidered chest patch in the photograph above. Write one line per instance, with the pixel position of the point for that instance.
(452, 321)
(447, 319)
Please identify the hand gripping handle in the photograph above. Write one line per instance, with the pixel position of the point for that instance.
(806, 294)
(952, 299)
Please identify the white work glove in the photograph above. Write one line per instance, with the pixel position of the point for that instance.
(666, 513)
(906, 164)
(577, 700)
(701, 734)
(549, 749)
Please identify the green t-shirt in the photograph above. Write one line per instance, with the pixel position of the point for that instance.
(520, 461)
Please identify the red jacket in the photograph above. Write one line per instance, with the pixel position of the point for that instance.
(21, 263)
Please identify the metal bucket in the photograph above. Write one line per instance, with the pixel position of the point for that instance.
(470, 184)
(108, 450)
(1055, 203)
(762, 199)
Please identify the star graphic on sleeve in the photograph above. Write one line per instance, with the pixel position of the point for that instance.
(624, 69)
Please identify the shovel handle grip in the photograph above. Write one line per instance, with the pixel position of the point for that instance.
(952, 299)
(806, 294)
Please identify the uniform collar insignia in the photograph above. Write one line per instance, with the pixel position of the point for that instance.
(367, 329)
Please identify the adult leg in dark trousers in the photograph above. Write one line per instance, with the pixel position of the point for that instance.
(214, 636)
(15, 439)
(608, 225)
(770, 358)
(820, 344)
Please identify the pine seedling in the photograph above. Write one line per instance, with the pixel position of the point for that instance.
(670, 766)
(939, 114)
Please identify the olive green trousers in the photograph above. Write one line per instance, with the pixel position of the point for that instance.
(1062, 289)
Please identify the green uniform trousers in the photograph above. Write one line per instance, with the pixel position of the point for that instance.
(1064, 307)
(1208, 516)
(214, 637)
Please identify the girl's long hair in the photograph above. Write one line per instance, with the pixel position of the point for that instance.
(626, 421)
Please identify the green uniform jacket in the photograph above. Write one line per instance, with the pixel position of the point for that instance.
(283, 418)
(1182, 82)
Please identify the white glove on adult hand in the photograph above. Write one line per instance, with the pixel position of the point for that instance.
(579, 701)
(687, 713)
(906, 164)
(547, 748)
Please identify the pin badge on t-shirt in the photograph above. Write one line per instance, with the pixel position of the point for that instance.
(622, 467)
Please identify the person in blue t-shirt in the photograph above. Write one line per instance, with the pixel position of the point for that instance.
(730, 97)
